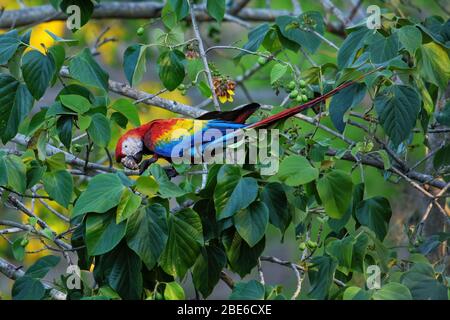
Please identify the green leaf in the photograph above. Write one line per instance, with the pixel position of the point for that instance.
(184, 242)
(34, 173)
(255, 38)
(86, 70)
(443, 117)
(296, 170)
(252, 290)
(128, 109)
(277, 72)
(15, 104)
(344, 100)
(37, 71)
(216, 9)
(410, 37)
(227, 179)
(9, 43)
(355, 293)
(335, 191)
(193, 67)
(386, 160)
(173, 291)
(321, 274)
(438, 29)
(121, 268)
(86, 9)
(102, 232)
(350, 47)
(76, 89)
(147, 234)
(180, 7)
(99, 130)
(18, 249)
(298, 29)
(342, 250)
(147, 186)
(359, 252)
(241, 257)
(134, 63)
(433, 64)
(128, 204)
(392, 291)
(171, 68)
(382, 48)
(76, 103)
(375, 213)
(58, 54)
(422, 283)
(103, 193)
(56, 162)
(207, 268)
(16, 172)
(64, 126)
(229, 199)
(120, 119)
(168, 16)
(59, 186)
(274, 197)
(442, 157)
(27, 288)
(204, 89)
(251, 222)
(3, 172)
(167, 189)
(398, 107)
(42, 266)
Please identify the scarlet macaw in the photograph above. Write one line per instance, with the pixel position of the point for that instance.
(158, 137)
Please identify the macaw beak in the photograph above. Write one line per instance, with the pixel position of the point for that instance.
(129, 162)
(132, 162)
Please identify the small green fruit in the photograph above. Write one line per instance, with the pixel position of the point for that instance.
(291, 85)
(293, 94)
(302, 246)
(24, 242)
(304, 98)
(298, 98)
(303, 90)
(140, 31)
(302, 83)
(262, 61)
(181, 87)
(311, 244)
(183, 92)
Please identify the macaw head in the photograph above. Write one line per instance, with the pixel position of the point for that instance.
(130, 148)
(129, 151)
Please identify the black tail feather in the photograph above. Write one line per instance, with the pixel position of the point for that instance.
(239, 115)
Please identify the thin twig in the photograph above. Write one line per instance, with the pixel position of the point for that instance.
(201, 50)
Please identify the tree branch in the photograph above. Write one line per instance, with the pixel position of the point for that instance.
(201, 49)
(138, 10)
(14, 273)
(127, 91)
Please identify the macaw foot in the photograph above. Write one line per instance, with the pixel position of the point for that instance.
(171, 172)
(145, 164)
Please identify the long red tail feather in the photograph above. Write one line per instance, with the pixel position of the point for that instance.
(292, 111)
